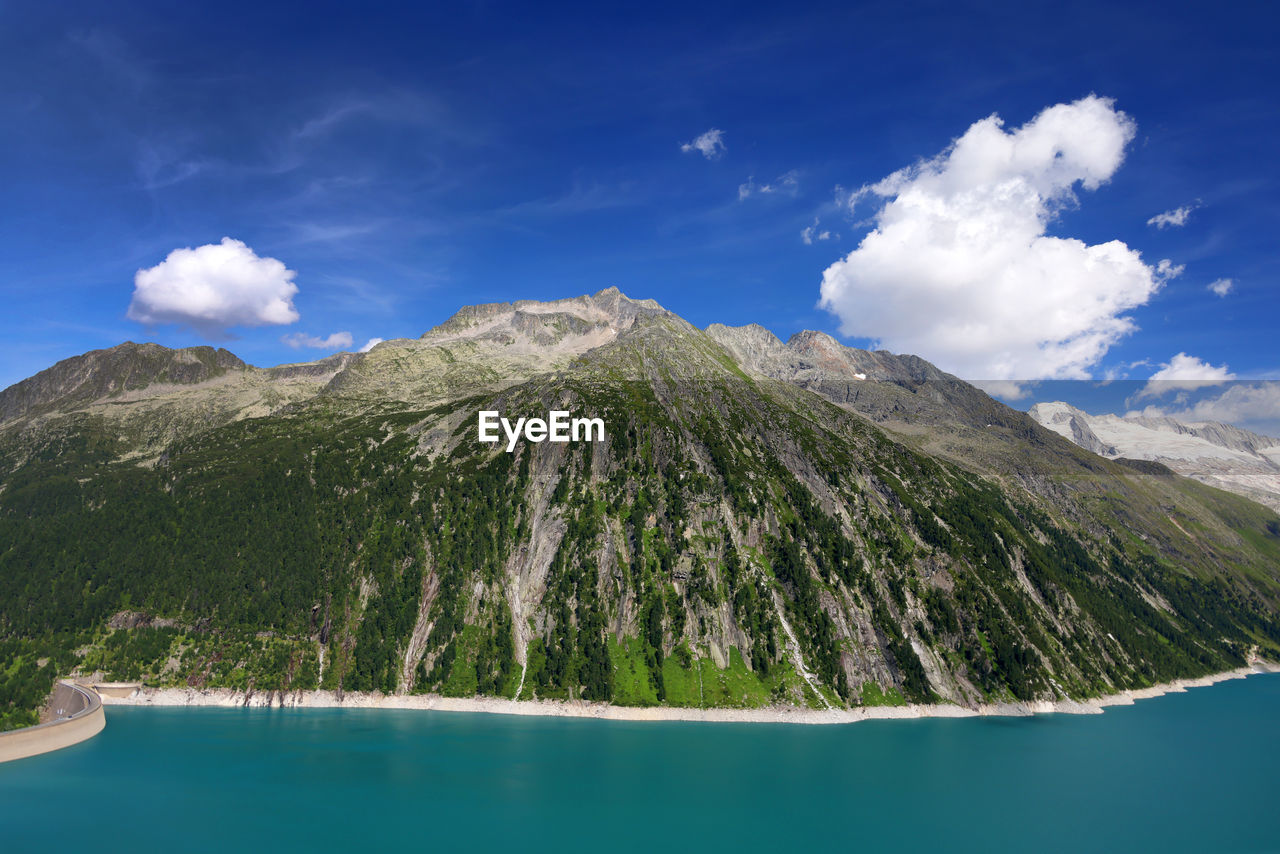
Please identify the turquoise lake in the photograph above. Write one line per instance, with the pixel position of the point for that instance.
(1188, 772)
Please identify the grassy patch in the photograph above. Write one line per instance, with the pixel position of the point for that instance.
(462, 676)
(632, 684)
(873, 696)
(735, 686)
(683, 684)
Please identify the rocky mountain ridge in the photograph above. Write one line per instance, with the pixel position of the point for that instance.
(105, 373)
(192, 389)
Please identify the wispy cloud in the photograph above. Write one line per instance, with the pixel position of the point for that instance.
(1222, 287)
(160, 165)
(1175, 218)
(334, 116)
(328, 232)
(814, 232)
(336, 341)
(710, 144)
(786, 184)
(1121, 371)
(114, 56)
(399, 106)
(350, 293)
(579, 199)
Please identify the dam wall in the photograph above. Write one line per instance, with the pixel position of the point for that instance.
(79, 717)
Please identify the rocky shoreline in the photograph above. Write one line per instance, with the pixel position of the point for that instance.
(227, 698)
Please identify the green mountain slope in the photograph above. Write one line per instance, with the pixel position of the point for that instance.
(759, 526)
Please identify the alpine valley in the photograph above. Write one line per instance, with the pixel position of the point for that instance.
(763, 524)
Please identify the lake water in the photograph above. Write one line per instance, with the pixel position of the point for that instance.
(1189, 772)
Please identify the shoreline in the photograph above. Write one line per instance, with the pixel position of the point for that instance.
(324, 699)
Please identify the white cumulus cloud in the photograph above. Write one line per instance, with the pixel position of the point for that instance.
(336, 341)
(1172, 219)
(370, 344)
(709, 144)
(214, 287)
(1184, 373)
(1222, 287)
(959, 269)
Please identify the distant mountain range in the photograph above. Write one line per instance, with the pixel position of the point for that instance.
(764, 523)
(1218, 454)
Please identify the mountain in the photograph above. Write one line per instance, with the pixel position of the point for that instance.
(761, 523)
(151, 395)
(108, 373)
(1218, 454)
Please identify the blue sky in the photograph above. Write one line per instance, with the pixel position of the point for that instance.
(406, 161)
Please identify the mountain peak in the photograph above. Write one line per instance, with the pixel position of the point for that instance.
(812, 339)
(608, 307)
(103, 373)
(1072, 423)
(821, 351)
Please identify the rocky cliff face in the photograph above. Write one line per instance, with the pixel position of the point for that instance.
(762, 523)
